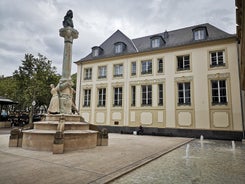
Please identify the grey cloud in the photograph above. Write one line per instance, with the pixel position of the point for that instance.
(33, 26)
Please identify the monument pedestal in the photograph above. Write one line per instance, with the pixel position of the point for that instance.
(46, 135)
(58, 146)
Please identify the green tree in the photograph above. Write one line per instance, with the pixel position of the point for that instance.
(8, 87)
(33, 79)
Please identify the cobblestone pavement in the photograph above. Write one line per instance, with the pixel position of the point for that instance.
(99, 165)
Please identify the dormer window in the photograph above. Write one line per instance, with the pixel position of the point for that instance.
(157, 41)
(119, 47)
(96, 51)
(200, 33)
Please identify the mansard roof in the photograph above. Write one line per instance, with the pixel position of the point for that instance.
(174, 38)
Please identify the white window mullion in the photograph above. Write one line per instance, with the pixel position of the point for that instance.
(217, 58)
(219, 91)
(117, 96)
(146, 95)
(184, 92)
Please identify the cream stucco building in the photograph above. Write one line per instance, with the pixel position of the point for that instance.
(179, 83)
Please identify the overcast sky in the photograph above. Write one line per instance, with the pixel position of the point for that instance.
(32, 26)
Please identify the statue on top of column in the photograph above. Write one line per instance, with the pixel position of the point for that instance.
(64, 89)
(68, 19)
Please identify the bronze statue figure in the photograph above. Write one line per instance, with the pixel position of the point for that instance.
(68, 19)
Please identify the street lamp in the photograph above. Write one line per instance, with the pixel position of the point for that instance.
(31, 114)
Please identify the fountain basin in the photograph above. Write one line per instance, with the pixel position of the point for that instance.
(66, 132)
(43, 140)
(52, 125)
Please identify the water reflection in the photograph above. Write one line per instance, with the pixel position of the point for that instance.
(202, 161)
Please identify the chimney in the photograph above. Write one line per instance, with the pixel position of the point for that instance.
(165, 34)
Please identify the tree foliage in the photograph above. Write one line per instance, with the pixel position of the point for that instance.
(33, 79)
(8, 87)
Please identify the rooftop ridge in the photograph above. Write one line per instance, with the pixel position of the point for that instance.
(177, 37)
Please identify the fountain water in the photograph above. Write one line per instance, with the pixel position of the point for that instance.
(187, 151)
(202, 166)
(201, 138)
(233, 145)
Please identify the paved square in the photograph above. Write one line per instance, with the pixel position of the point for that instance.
(98, 165)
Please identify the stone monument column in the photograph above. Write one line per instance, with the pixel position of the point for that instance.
(69, 34)
(65, 84)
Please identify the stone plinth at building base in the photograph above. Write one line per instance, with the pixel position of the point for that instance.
(58, 134)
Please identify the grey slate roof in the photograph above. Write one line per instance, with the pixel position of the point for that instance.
(118, 36)
(175, 38)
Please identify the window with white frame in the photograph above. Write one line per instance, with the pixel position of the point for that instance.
(146, 67)
(184, 93)
(102, 72)
(199, 34)
(217, 58)
(160, 94)
(133, 68)
(118, 48)
(117, 96)
(87, 97)
(146, 94)
(118, 70)
(160, 65)
(133, 95)
(95, 52)
(219, 92)
(155, 43)
(88, 74)
(102, 97)
(183, 62)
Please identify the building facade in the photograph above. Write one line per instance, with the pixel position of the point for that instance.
(182, 83)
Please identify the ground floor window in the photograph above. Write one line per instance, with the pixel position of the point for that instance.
(102, 97)
(117, 96)
(160, 94)
(184, 93)
(219, 93)
(133, 96)
(87, 97)
(146, 91)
